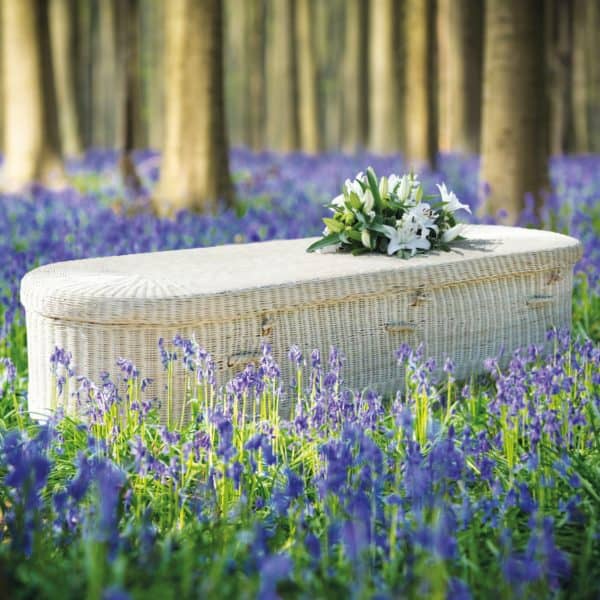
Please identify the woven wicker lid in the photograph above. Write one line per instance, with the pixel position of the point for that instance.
(204, 284)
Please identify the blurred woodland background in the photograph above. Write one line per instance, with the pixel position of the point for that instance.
(513, 80)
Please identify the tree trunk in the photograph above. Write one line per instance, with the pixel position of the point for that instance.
(236, 72)
(420, 82)
(84, 43)
(282, 102)
(62, 36)
(308, 109)
(356, 76)
(255, 73)
(132, 117)
(460, 39)
(384, 105)
(108, 70)
(586, 77)
(32, 145)
(514, 135)
(195, 161)
(329, 23)
(152, 44)
(558, 44)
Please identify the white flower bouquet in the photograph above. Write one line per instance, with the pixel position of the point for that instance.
(390, 215)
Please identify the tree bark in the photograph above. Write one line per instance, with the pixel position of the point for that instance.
(195, 161)
(282, 102)
(559, 44)
(356, 76)
(84, 43)
(514, 131)
(108, 72)
(132, 115)
(236, 72)
(420, 82)
(385, 109)
(586, 77)
(308, 109)
(460, 39)
(255, 73)
(32, 145)
(152, 48)
(62, 36)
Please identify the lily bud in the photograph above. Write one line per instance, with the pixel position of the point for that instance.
(404, 188)
(368, 201)
(383, 187)
(366, 239)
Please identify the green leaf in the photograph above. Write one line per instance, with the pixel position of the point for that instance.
(333, 225)
(358, 251)
(354, 235)
(329, 240)
(378, 227)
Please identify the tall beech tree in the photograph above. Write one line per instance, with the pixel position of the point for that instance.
(586, 76)
(63, 27)
(420, 121)
(514, 120)
(308, 108)
(460, 69)
(283, 131)
(31, 137)
(254, 44)
(195, 162)
(385, 108)
(356, 78)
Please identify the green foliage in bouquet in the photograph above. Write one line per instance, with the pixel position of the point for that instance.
(391, 215)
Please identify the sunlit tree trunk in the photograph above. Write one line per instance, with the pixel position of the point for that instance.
(62, 35)
(195, 162)
(514, 125)
(385, 110)
(108, 73)
(32, 147)
(152, 44)
(308, 109)
(586, 76)
(84, 43)
(282, 102)
(236, 72)
(356, 76)
(420, 121)
(255, 85)
(460, 59)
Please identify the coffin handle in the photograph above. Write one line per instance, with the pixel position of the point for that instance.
(536, 301)
(242, 359)
(399, 327)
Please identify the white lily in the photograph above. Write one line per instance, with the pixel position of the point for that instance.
(451, 202)
(422, 216)
(453, 232)
(339, 200)
(405, 239)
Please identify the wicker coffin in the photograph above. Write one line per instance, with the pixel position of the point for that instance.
(501, 288)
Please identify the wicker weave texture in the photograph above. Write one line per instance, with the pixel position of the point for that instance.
(501, 289)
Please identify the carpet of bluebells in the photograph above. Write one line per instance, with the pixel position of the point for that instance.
(448, 489)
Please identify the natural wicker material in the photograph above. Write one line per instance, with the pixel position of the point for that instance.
(500, 289)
